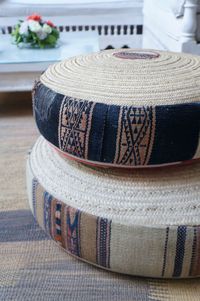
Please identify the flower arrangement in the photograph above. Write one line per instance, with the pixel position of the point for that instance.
(35, 32)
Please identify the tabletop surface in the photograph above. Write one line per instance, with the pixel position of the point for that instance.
(70, 44)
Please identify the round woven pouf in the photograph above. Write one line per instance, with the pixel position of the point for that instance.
(141, 223)
(124, 108)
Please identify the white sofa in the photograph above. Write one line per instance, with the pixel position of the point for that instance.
(172, 25)
(119, 22)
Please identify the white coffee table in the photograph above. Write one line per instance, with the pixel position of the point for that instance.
(20, 67)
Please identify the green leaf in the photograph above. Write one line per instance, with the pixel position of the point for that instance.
(50, 41)
(55, 32)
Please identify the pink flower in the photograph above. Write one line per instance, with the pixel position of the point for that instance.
(50, 23)
(34, 17)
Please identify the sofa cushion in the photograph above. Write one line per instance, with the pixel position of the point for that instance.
(15, 8)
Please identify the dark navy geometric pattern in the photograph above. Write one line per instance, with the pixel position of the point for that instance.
(135, 135)
(74, 124)
(119, 135)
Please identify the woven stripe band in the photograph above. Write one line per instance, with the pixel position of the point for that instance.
(126, 109)
(141, 223)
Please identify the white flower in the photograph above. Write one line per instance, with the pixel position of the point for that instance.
(46, 28)
(34, 26)
(44, 32)
(41, 35)
(24, 28)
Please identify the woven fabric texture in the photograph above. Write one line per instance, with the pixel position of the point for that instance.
(126, 109)
(128, 223)
(32, 267)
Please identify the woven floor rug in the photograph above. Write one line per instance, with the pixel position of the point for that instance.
(32, 267)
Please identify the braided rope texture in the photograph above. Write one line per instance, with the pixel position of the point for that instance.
(125, 109)
(142, 223)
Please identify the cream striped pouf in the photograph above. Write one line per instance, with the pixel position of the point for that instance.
(138, 222)
(123, 108)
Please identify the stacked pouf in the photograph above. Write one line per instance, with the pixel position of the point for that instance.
(115, 176)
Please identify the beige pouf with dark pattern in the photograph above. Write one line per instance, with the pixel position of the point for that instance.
(141, 223)
(122, 108)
